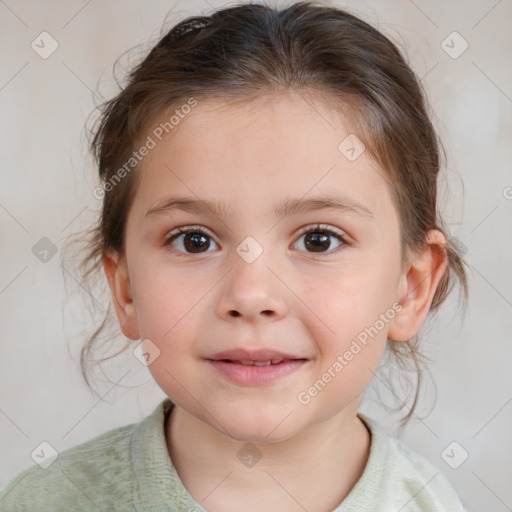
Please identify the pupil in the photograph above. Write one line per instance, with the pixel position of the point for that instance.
(194, 240)
(315, 240)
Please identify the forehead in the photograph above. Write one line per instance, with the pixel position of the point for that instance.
(286, 145)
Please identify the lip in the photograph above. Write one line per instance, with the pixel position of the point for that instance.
(228, 364)
(252, 355)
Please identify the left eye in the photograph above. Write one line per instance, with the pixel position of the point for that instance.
(319, 239)
(195, 240)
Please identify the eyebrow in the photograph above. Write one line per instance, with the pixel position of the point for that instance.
(288, 206)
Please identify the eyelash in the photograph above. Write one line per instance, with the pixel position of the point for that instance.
(308, 229)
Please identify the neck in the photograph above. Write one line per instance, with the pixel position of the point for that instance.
(313, 470)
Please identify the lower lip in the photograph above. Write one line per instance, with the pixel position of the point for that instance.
(255, 375)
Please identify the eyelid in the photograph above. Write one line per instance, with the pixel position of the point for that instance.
(324, 227)
(185, 229)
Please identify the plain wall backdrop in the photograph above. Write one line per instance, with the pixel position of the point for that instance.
(47, 179)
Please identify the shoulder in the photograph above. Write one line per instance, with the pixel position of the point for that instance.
(398, 478)
(86, 477)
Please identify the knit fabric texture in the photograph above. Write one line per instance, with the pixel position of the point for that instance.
(129, 468)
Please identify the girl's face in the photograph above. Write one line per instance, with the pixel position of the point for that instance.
(261, 277)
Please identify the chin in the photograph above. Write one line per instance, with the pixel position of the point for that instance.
(253, 425)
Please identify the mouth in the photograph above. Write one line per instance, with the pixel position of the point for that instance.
(256, 367)
(250, 362)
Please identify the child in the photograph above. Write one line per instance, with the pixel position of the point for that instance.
(269, 228)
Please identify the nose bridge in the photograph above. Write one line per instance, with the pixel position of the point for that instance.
(251, 289)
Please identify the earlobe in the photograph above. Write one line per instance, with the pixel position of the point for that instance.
(120, 287)
(418, 286)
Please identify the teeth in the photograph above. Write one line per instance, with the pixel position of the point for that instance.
(260, 363)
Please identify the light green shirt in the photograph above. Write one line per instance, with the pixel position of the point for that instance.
(129, 468)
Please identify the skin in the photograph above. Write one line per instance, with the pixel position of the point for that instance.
(290, 299)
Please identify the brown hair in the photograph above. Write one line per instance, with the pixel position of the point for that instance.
(247, 50)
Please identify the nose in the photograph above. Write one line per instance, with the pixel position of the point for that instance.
(252, 291)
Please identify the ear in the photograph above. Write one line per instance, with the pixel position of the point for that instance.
(418, 285)
(119, 281)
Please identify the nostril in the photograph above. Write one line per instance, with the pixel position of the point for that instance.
(266, 312)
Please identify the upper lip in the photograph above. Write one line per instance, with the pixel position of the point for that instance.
(252, 355)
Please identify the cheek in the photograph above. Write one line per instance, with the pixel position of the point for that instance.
(348, 329)
(344, 303)
(169, 312)
(352, 347)
(167, 305)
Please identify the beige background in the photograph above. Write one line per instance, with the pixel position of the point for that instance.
(47, 180)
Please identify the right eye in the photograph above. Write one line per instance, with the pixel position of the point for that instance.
(189, 240)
